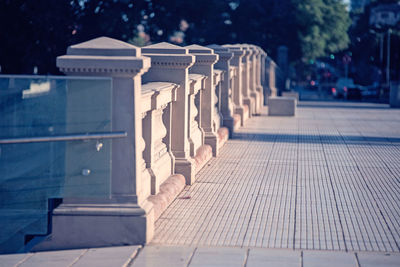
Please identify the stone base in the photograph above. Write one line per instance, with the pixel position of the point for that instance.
(240, 112)
(265, 94)
(187, 168)
(282, 106)
(169, 190)
(160, 171)
(249, 102)
(223, 136)
(229, 122)
(260, 91)
(257, 104)
(211, 139)
(236, 122)
(99, 225)
(246, 112)
(203, 154)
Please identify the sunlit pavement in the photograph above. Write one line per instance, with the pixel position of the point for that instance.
(318, 189)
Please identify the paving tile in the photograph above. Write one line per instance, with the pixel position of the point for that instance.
(54, 258)
(259, 257)
(378, 259)
(155, 256)
(328, 259)
(218, 257)
(104, 257)
(12, 259)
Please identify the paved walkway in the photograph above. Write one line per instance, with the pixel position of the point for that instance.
(184, 256)
(318, 189)
(327, 179)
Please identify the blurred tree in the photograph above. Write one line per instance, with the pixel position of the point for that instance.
(322, 27)
(33, 33)
(36, 31)
(368, 46)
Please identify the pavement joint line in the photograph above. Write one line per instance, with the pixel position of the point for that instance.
(24, 259)
(335, 200)
(78, 258)
(301, 258)
(357, 259)
(246, 257)
(132, 258)
(295, 198)
(191, 257)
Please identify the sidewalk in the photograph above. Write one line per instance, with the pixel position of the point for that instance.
(318, 189)
(327, 179)
(183, 256)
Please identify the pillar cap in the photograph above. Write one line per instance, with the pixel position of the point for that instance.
(198, 49)
(164, 48)
(224, 53)
(103, 56)
(104, 46)
(236, 50)
(204, 55)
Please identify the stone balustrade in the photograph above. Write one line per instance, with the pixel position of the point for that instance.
(270, 80)
(178, 106)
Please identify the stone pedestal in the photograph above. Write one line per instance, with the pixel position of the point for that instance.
(255, 93)
(237, 92)
(227, 106)
(282, 106)
(270, 79)
(170, 63)
(125, 216)
(204, 64)
(263, 76)
(259, 73)
(248, 100)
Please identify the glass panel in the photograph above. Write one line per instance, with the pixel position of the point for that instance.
(31, 174)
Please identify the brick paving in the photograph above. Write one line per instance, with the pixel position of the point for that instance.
(327, 179)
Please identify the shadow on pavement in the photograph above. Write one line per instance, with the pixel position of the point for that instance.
(344, 105)
(316, 139)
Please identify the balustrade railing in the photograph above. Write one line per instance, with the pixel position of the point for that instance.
(55, 143)
(168, 110)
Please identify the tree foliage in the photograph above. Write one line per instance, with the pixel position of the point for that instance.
(322, 27)
(369, 46)
(34, 32)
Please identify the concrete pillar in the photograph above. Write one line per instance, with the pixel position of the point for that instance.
(204, 64)
(125, 216)
(263, 76)
(259, 87)
(236, 61)
(271, 78)
(246, 92)
(227, 107)
(170, 63)
(254, 93)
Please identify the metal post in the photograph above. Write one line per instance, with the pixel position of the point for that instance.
(381, 35)
(388, 58)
